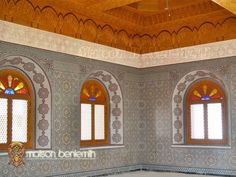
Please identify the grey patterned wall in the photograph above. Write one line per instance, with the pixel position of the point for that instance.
(66, 74)
(147, 96)
(159, 84)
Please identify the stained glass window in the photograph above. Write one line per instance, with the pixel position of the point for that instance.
(11, 85)
(206, 121)
(94, 118)
(16, 109)
(93, 91)
(206, 91)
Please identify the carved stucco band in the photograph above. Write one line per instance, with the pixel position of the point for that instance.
(42, 96)
(116, 104)
(178, 101)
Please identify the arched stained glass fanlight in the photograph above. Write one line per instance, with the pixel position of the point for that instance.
(206, 91)
(93, 91)
(11, 85)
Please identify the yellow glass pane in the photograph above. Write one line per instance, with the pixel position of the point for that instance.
(19, 86)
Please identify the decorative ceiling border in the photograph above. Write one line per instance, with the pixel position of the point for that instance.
(18, 34)
(207, 22)
(209, 51)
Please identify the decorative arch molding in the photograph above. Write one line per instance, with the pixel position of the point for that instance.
(178, 101)
(115, 105)
(42, 90)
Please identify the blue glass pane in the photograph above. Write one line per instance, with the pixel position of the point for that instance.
(9, 91)
(205, 98)
(92, 98)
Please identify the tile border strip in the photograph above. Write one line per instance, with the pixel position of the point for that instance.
(103, 172)
(153, 168)
(189, 170)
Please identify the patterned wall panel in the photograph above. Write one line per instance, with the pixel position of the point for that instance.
(147, 100)
(66, 73)
(160, 87)
(42, 94)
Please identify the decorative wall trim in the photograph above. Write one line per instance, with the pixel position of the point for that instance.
(115, 103)
(42, 92)
(110, 171)
(23, 35)
(203, 171)
(209, 51)
(154, 168)
(178, 101)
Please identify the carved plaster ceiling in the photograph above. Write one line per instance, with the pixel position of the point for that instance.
(139, 26)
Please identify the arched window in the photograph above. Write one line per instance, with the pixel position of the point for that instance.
(94, 114)
(16, 109)
(205, 113)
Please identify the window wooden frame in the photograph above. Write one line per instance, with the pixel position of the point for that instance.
(189, 102)
(93, 141)
(30, 104)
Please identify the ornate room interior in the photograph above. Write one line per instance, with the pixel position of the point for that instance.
(147, 85)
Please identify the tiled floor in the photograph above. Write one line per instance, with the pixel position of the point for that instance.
(157, 174)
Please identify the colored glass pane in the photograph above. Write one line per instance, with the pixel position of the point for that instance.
(9, 91)
(204, 98)
(10, 85)
(22, 91)
(92, 98)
